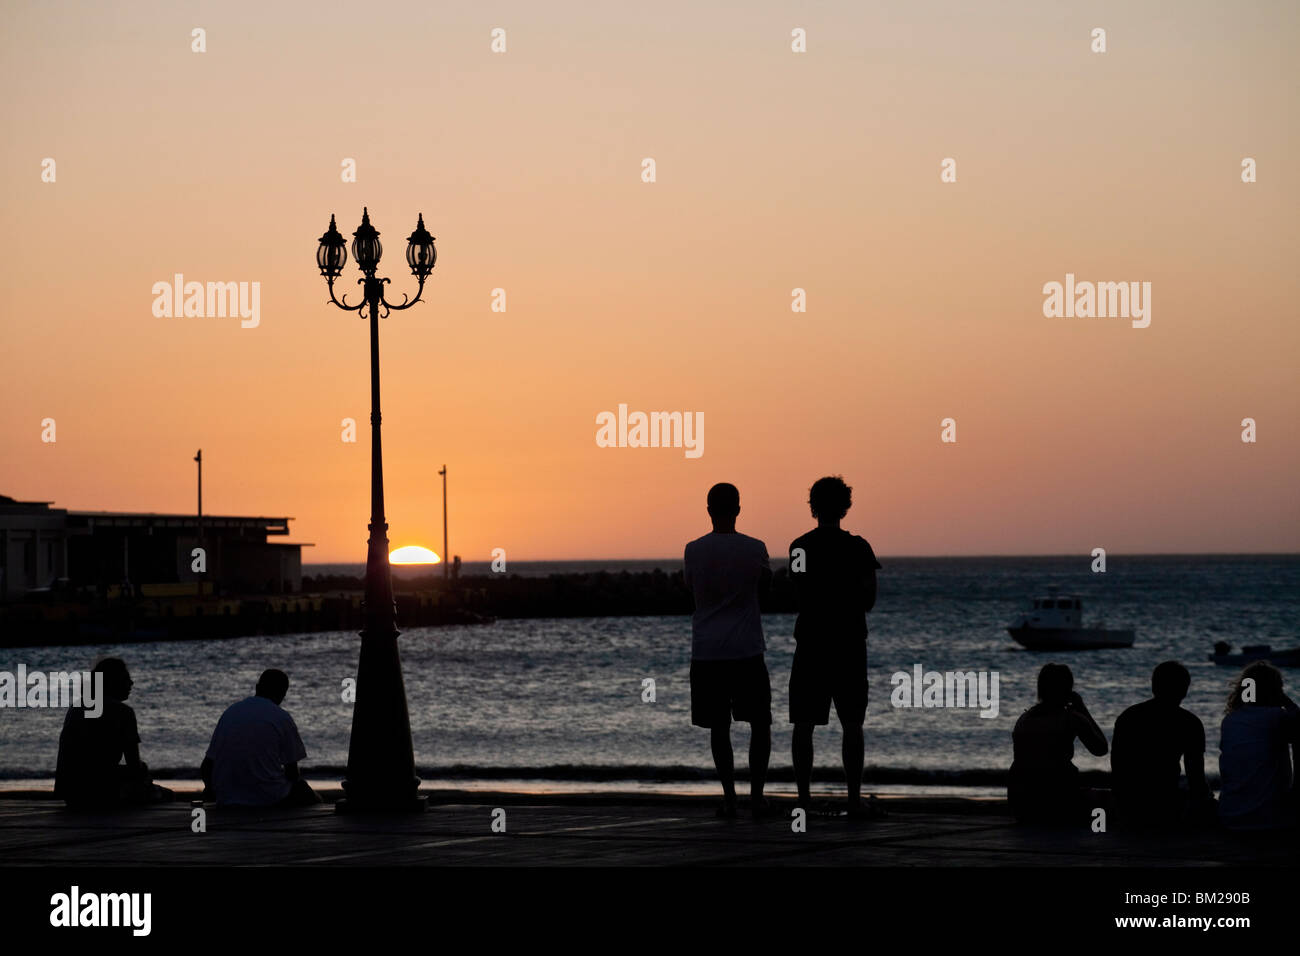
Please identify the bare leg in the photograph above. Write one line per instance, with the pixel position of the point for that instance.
(724, 759)
(852, 752)
(802, 752)
(760, 752)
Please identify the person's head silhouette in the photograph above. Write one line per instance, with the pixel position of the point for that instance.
(117, 679)
(1055, 683)
(1169, 682)
(830, 499)
(1259, 683)
(724, 505)
(273, 685)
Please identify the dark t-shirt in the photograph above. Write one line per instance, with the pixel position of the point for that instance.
(1149, 741)
(835, 589)
(1043, 740)
(1043, 783)
(90, 748)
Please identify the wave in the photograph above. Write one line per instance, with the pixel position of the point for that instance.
(639, 773)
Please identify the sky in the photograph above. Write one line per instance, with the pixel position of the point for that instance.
(775, 170)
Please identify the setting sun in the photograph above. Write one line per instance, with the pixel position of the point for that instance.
(412, 554)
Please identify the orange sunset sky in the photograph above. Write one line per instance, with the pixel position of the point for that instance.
(775, 170)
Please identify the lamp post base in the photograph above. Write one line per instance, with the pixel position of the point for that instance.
(381, 799)
(354, 807)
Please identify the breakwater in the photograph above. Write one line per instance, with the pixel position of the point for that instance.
(334, 602)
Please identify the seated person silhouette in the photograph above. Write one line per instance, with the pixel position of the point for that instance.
(1043, 785)
(834, 576)
(252, 760)
(1258, 740)
(725, 570)
(1150, 740)
(99, 763)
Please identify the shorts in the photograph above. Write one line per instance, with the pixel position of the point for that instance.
(723, 690)
(822, 674)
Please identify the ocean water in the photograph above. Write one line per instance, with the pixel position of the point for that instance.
(561, 699)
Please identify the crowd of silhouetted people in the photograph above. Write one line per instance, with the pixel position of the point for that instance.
(1157, 756)
(1157, 747)
(1158, 759)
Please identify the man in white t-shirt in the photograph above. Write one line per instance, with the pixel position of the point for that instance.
(252, 760)
(725, 571)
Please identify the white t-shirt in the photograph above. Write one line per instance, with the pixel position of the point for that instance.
(723, 572)
(253, 741)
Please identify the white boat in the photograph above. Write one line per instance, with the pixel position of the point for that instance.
(1055, 622)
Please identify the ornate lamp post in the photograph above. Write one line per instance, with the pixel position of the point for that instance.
(381, 763)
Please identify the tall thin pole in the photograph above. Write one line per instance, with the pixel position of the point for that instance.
(381, 762)
(446, 558)
(199, 458)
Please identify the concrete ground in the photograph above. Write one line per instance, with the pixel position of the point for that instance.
(593, 830)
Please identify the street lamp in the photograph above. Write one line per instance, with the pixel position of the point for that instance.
(381, 763)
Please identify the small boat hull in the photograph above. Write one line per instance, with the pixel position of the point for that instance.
(1287, 658)
(1069, 638)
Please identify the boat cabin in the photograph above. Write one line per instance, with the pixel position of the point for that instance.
(1056, 610)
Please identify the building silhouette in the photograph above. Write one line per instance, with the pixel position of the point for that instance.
(46, 548)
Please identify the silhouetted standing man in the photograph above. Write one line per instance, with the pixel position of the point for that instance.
(834, 576)
(725, 571)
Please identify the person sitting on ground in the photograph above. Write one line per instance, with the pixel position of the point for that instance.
(1149, 741)
(99, 763)
(1258, 738)
(252, 760)
(1044, 782)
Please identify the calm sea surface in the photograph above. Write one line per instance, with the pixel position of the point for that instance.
(561, 698)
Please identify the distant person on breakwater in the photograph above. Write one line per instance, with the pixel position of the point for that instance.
(1044, 783)
(1149, 742)
(252, 760)
(1258, 742)
(725, 570)
(834, 577)
(99, 763)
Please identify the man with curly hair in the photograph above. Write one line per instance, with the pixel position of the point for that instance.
(834, 576)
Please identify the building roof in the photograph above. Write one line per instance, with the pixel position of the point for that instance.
(143, 519)
(12, 506)
(151, 519)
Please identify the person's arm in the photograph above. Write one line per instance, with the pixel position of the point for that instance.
(1291, 727)
(765, 575)
(1118, 734)
(1090, 735)
(131, 741)
(205, 772)
(292, 749)
(869, 579)
(869, 590)
(1194, 758)
(1194, 764)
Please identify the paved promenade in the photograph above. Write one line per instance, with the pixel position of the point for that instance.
(596, 830)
